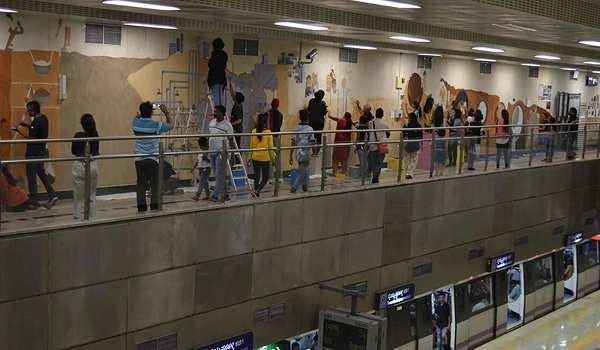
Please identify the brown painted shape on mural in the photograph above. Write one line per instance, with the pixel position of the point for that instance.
(18, 30)
(67, 39)
(474, 97)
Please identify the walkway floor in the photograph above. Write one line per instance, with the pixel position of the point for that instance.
(123, 205)
(573, 327)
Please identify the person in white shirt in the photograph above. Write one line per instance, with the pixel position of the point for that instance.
(375, 158)
(219, 126)
(203, 165)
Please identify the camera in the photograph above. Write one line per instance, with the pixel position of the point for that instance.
(156, 106)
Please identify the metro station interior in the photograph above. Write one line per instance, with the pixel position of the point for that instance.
(512, 250)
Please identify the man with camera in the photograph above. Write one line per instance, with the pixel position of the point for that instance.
(146, 165)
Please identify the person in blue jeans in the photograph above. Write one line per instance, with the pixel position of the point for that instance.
(203, 165)
(219, 126)
(360, 144)
(443, 321)
(217, 78)
(302, 154)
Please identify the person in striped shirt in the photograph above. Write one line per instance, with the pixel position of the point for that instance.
(146, 164)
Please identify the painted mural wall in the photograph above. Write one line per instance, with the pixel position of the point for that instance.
(110, 81)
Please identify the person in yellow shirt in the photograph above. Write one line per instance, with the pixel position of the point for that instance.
(260, 159)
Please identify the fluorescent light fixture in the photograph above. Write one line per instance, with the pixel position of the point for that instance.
(394, 4)
(360, 47)
(407, 38)
(429, 55)
(146, 25)
(484, 60)
(5, 10)
(141, 5)
(514, 27)
(547, 57)
(596, 71)
(530, 64)
(569, 69)
(590, 43)
(487, 49)
(300, 26)
(595, 63)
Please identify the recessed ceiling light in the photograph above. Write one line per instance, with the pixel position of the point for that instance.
(569, 69)
(408, 38)
(595, 63)
(596, 71)
(394, 4)
(360, 47)
(5, 10)
(516, 27)
(429, 54)
(530, 64)
(141, 5)
(300, 26)
(146, 25)
(487, 49)
(484, 60)
(547, 57)
(590, 43)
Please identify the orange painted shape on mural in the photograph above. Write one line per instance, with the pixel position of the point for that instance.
(5, 83)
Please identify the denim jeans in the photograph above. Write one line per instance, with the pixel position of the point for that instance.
(441, 335)
(301, 179)
(216, 163)
(33, 169)
(362, 162)
(218, 94)
(453, 152)
(203, 183)
(375, 164)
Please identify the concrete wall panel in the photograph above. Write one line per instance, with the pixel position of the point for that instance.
(276, 270)
(327, 215)
(224, 233)
(363, 210)
(24, 324)
(361, 251)
(23, 267)
(398, 205)
(321, 260)
(223, 282)
(276, 224)
(396, 243)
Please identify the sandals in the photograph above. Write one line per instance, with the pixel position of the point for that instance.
(195, 199)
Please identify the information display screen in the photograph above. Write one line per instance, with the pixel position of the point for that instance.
(243, 342)
(341, 336)
(574, 239)
(501, 261)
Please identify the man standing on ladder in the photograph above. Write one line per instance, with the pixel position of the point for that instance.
(219, 126)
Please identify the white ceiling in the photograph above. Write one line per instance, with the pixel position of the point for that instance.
(453, 26)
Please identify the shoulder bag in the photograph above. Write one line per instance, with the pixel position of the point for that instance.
(383, 147)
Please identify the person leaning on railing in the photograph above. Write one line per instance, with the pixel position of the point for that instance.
(146, 167)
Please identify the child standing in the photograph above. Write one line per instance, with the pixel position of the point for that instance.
(203, 165)
(302, 154)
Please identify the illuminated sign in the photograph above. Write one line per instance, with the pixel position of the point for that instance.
(337, 335)
(243, 342)
(501, 261)
(574, 238)
(394, 297)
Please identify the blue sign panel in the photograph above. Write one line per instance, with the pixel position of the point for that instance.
(243, 342)
(394, 297)
(574, 238)
(501, 261)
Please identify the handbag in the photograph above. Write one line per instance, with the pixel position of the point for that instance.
(382, 147)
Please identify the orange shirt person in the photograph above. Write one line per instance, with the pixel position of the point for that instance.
(14, 199)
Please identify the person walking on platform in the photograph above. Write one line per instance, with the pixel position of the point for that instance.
(78, 150)
(304, 140)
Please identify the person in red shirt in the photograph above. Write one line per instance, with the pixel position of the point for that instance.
(14, 199)
(341, 153)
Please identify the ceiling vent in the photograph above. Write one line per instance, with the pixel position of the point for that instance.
(522, 240)
(558, 230)
(534, 72)
(476, 253)
(485, 67)
(348, 55)
(168, 342)
(422, 269)
(424, 62)
(574, 75)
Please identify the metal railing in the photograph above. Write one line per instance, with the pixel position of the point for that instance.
(558, 138)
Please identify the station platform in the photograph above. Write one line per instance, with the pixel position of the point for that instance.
(573, 327)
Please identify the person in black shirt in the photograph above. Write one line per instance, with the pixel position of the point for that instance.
(443, 321)
(78, 150)
(217, 64)
(360, 143)
(318, 110)
(38, 129)
(237, 116)
(548, 133)
(572, 129)
(411, 149)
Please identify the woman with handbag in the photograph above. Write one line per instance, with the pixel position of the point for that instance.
(377, 150)
(412, 147)
(503, 133)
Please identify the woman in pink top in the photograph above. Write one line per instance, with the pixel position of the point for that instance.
(503, 133)
(341, 153)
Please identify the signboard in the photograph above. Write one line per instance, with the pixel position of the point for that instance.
(339, 335)
(545, 93)
(501, 261)
(573, 239)
(394, 296)
(243, 342)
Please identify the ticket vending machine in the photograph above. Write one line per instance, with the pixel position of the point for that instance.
(340, 330)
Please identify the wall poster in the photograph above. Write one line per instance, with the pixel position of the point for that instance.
(545, 93)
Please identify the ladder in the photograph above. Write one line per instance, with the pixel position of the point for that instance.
(238, 170)
(182, 125)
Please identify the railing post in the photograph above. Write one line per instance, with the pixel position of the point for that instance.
(432, 162)
(324, 163)
(584, 141)
(461, 160)
(1, 189)
(161, 175)
(277, 165)
(224, 161)
(87, 183)
(400, 156)
(364, 158)
(598, 144)
(531, 148)
(555, 141)
(568, 148)
(487, 150)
